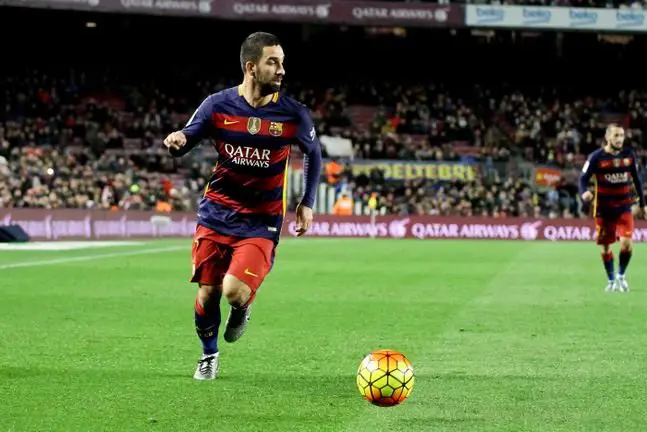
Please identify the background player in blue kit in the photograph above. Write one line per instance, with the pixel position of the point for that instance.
(241, 214)
(614, 172)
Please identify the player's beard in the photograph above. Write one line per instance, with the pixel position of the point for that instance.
(267, 88)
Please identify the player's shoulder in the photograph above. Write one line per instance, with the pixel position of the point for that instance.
(628, 152)
(293, 106)
(597, 153)
(224, 95)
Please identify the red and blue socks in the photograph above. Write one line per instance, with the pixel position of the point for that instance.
(623, 261)
(607, 260)
(207, 321)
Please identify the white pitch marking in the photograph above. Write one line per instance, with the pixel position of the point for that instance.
(64, 245)
(93, 257)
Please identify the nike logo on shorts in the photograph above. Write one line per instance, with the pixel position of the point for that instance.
(249, 273)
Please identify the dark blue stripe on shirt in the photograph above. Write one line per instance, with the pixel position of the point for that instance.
(245, 194)
(229, 222)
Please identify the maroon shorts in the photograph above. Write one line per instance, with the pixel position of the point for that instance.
(214, 255)
(610, 229)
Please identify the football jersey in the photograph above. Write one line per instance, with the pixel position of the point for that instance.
(246, 192)
(613, 177)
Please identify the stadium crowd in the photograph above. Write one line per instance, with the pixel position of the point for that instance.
(90, 135)
(59, 148)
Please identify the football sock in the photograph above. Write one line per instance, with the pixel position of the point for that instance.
(607, 259)
(207, 321)
(237, 315)
(623, 261)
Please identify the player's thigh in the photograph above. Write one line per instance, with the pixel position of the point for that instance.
(252, 261)
(625, 229)
(606, 229)
(210, 262)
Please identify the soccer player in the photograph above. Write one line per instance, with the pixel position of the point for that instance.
(614, 171)
(241, 213)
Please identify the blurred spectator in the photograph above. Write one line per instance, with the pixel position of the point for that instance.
(344, 205)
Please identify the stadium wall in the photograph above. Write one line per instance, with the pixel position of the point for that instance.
(105, 225)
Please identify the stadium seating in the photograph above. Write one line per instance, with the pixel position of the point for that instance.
(90, 136)
(80, 148)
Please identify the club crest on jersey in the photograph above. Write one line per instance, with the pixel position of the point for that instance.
(627, 161)
(276, 129)
(254, 125)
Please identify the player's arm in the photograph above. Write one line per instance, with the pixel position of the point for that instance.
(585, 177)
(196, 129)
(309, 145)
(638, 183)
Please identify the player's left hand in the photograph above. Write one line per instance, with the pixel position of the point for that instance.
(304, 219)
(642, 212)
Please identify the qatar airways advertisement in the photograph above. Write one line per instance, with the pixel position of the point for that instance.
(105, 225)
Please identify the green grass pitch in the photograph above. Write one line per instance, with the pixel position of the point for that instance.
(503, 336)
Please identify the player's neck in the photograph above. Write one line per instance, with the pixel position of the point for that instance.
(611, 150)
(252, 94)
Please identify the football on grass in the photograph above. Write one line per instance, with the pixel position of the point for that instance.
(385, 378)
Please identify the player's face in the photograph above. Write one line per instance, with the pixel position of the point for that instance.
(270, 70)
(616, 137)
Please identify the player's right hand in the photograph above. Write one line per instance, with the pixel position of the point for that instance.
(587, 196)
(175, 140)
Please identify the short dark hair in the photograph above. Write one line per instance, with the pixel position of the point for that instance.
(252, 48)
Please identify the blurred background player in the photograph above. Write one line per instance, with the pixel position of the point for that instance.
(372, 208)
(614, 172)
(241, 214)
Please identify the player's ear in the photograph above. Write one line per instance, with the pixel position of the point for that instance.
(250, 68)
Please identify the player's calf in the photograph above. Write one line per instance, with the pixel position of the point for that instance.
(207, 321)
(207, 317)
(625, 255)
(609, 268)
(623, 263)
(239, 295)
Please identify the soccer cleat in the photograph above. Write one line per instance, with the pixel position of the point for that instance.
(208, 367)
(622, 284)
(611, 286)
(237, 322)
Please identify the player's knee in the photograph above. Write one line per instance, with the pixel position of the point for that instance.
(236, 291)
(625, 243)
(205, 292)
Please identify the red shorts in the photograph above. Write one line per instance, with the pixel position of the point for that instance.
(214, 255)
(610, 229)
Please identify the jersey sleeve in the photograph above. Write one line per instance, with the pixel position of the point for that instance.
(197, 128)
(306, 133)
(309, 145)
(635, 175)
(587, 172)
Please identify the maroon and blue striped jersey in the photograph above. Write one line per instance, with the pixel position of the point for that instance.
(613, 177)
(246, 193)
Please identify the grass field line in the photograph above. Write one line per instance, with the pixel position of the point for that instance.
(91, 257)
